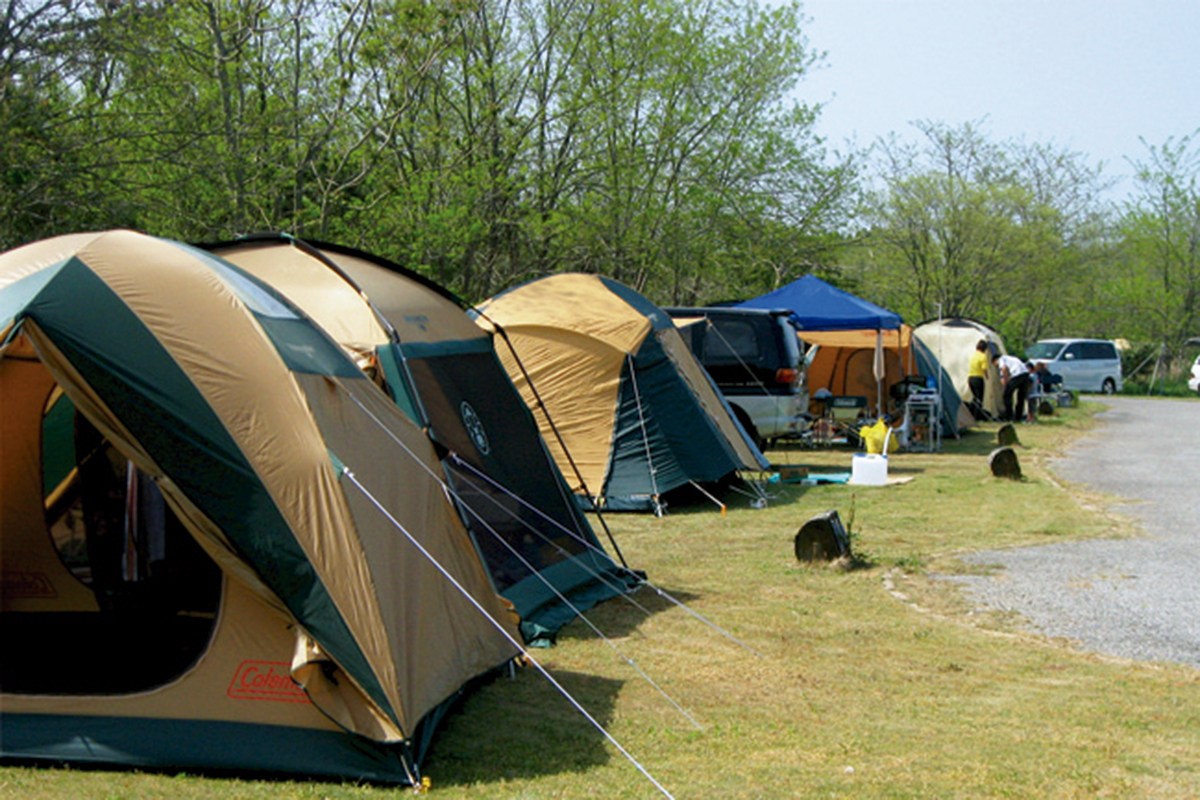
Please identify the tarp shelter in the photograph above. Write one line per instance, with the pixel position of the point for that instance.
(637, 414)
(442, 369)
(816, 305)
(864, 348)
(951, 342)
(213, 557)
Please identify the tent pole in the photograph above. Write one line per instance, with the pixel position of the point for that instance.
(700, 489)
(637, 398)
(558, 437)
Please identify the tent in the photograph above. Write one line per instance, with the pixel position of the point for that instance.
(629, 412)
(442, 369)
(951, 342)
(213, 557)
(863, 349)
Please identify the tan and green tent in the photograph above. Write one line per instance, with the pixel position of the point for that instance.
(629, 413)
(418, 342)
(213, 555)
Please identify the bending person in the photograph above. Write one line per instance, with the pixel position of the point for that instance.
(1015, 377)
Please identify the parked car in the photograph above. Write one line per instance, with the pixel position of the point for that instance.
(754, 358)
(1194, 381)
(1086, 365)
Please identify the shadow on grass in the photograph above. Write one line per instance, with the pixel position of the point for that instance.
(619, 616)
(522, 727)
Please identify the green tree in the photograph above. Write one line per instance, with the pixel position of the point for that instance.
(482, 141)
(646, 140)
(963, 226)
(1157, 292)
(53, 172)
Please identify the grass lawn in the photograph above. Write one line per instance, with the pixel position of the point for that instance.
(875, 681)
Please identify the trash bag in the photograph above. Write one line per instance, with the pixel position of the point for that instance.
(876, 437)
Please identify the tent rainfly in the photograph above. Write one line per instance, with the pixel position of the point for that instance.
(417, 340)
(213, 556)
(627, 411)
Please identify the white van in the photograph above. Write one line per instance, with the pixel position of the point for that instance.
(1086, 365)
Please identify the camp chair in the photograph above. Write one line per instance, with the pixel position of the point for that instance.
(847, 413)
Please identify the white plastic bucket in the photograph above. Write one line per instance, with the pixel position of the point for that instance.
(869, 469)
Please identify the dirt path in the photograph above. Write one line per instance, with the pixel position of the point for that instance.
(1138, 598)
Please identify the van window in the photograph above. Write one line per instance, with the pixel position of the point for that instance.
(1046, 351)
(1074, 351)
(731, 341)
(1100, 350)
(791, 342)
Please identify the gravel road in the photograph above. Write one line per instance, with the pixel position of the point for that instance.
(1137, 599)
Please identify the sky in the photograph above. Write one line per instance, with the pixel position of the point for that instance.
(1087, 76)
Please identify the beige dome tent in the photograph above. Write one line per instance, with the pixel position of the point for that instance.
(442, 369)
(951, 342)
(213, 555)
(637, 414)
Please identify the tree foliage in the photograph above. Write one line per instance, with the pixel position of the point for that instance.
(1158, 286)
(964, 226)
(481, 141)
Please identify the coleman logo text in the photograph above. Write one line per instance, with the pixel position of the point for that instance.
(28, 584)
(266, 680)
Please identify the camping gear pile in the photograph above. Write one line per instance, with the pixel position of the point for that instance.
(857, 349)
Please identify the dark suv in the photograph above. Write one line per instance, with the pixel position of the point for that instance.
(754, 358)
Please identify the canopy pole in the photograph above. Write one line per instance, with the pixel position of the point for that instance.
(525, 653)
(880, 370)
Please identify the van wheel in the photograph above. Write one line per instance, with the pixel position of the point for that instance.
(1109, 386)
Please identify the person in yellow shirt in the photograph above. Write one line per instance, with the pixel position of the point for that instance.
(977, 370)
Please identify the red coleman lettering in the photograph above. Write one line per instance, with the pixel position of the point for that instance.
(28, 584)
(266, 680)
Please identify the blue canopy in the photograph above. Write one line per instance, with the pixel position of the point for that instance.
(818, 306)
